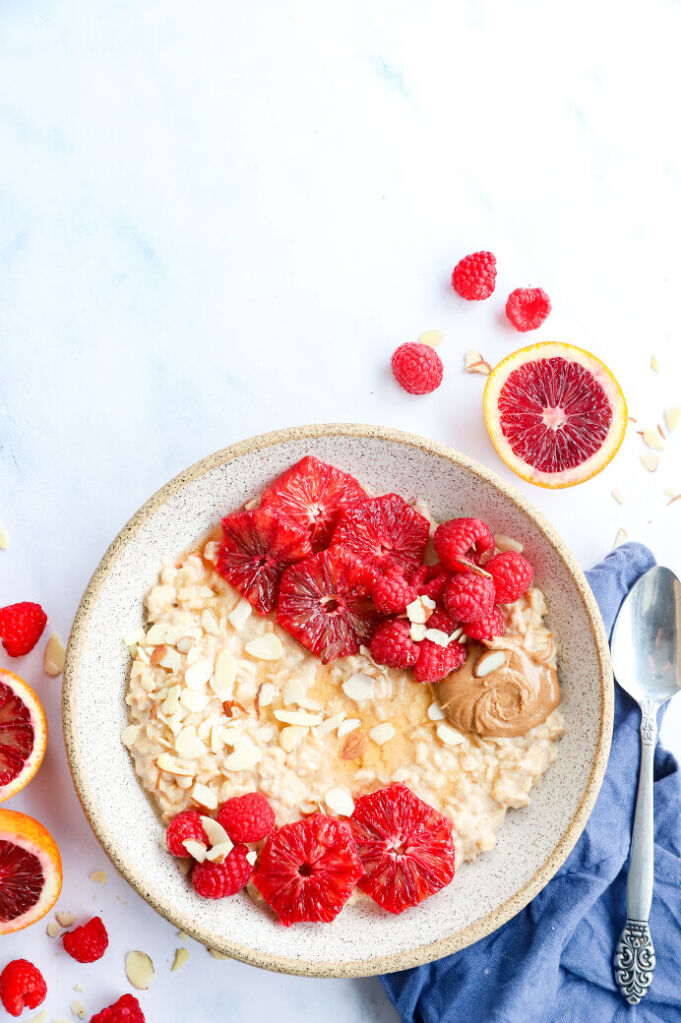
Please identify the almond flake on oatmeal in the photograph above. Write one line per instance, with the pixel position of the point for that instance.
(618, 495)
(649, 461)
(298, 717)
(359, 687)
(292, 736)
(652, 438)
(245, 756)
(181, 957)
(382, 733)
(489, 663)
(220, 852)
(266, 694)
(355, 744)
(448, 735)
(266, 648)
(171, 702)
(139, 970)
(129, 735)
(171, 765)
(222, 682)
(252, 856)
(418, 631)
(435, 712)
(156, 634)
(345, 726)
(266, 733)
(240, 615)
(621, 537)
(204, 796)
(215, 831)
(193, 700)
(339, 801)
(188, 745)
(134, 637)
(293, 692)
(328, 725)
(171, 659)
(209, 622)
(198, 674)
(507, 543)
(197, 850)
(671, 417)
(54, 655)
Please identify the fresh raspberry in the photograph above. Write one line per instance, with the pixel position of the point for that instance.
(417, 368)
(512, 574)
(405, 846)
(87, 943)
(436, 662)
(248, 818)
(487, 627)
(459, 542)
(392, 645)
(474, 276)
(307, 870)
(22, 986)
(21, 626)
(527, 308)
(257, 546)
(218, 880)
(313, 494)
(392, 593)
(443, 621)
(126, 1010)
(385, 532)
(325, 603)
(186, 825)
(469, 596)
(430, 580)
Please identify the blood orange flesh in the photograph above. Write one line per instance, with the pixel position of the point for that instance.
(23, 734)
(555, 414)
(30, 871)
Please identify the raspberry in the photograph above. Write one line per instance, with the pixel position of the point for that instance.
(474, 276)
(257, 546)
(126, 1010)
(385, 532)
(392, 593)
(435, 661)
(417, 368)
(512, 574)
(405, 846)
(307, 870)
(218, 880)
(248, 818)
(430, 580)
(459, 542)
(313, 494)
(88, 943)
(392, 645)
(21, 626)
(527, 308)
(187, 825)
(325, 603)
(487, 627)
(22, 986)
(469, 596)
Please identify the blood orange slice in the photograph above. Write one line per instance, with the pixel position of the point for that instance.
(30, 871)
(555, 414)
(23, 734)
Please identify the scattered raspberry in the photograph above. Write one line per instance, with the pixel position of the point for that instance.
(313, 494)
(248, 818)
(392, 645)
(126, 1010)
(405, 846)
(218, 880)
(325, 603)
(392, 593)
(486, 628)
(307, 870)
(469, 596)
(386, 532)
(187, 825)
(459, 542)
(527, 308)
(430, 580)
(436, 662)
(22, 986)
(474, 276)
(257, 546)
(21, 626)
(512, 574)
(88, 943)
(417, 368)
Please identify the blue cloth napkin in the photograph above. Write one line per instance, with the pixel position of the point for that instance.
(552, 963)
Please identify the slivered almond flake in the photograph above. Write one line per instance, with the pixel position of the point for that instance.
(418, 631)
(435, 712)
(266, 648)
(293, 692)
(266, 694)
(219, 852)
(473, 362)
(652, 439)
(98, 876)
(198, 674)
(330, 724)
(171, 660)
(507, 543)
(359, 687)
(245, 756)
(158, 654)
(671, 417)
(54, 656)
(660, 431)
(65, 917)
(673, 499)
(209, 622)
(419, 611)
(204, 796)
(229, 706)
(78, 1009)
(292, 736)
(181, 957)
(240, 615)
(197, 850)
(252, 857)
(339, 801)
(188, 745)
(347, 726)
(41, 1018)
(129, 735)
(490, 663)
(139, 970)
(618, 495)
(649, 461)
(355, 744)
(298, 717)
(193, 701)
(654, 364)
(156, 634)
(222, 682)
(53, 929)
(382, 733)
(171, 765)
(432, 338)
(134, 637)
(448, 735)
(215, 831)
(621, 537)
(437, 636)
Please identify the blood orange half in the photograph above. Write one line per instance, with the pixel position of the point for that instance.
(555, 414)
(30, 871)
(23, 734)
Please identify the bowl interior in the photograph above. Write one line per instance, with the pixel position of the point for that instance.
(533, 841)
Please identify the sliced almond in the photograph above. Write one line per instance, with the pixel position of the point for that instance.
(435, 712)
(245, 756)
(157, 655)
(240, 615)
(339, 801)
(432, 338)
(347, 726)
(222, 682)
(266, 694)
(489, 663)
(78, 1009)
(188, 745)
(139, 970)
(649, 461)
(330, 724)
(507, 543)
(449, 735)
(293, 692)
(359, 687)
(197, 850)
(171, 765)
(473, 362)
(355, 744)
(438, 637)
(291, 737)
(134, 637)
(204, 796)
(418, 631)
(214, 830)
(671, 417)
(621, 537)
(382, 733)
(417, 612)
(209, 622)
(198, 674)
(266, 648)
(53, 929)
(219, 853)
(181, 957)
(156, 634)
(98, 876)
(65, 917)
(653, 439)
(42, 1017)
(129, 735)
(298, 717)
(54, 655)
(171, 659)
(673, 499)
(193, 700)
(252, 857)
(618, 495)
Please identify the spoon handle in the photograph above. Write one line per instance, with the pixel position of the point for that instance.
(635, 954)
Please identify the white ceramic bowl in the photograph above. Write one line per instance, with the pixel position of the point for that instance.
(533, 842)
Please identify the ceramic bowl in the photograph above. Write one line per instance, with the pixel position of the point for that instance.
(533, 842)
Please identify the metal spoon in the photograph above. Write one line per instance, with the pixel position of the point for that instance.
(646, 660)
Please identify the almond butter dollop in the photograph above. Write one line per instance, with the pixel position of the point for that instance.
(510, 698)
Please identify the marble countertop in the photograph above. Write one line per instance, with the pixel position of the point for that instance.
(222, 218)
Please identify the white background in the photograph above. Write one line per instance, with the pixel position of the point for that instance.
(220, 218)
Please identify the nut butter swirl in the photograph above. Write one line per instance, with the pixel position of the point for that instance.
(505, 700)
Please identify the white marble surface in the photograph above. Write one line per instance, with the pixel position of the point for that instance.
(220, 218)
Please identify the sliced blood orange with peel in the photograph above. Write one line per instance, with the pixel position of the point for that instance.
(30, 871)
(555, 414)
(23, 734)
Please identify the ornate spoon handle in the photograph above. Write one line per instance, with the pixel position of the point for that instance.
(635, 954)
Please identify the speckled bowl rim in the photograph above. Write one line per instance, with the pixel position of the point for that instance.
(422, 953)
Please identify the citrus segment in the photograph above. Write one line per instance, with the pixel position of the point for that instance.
(555, 414)
(23, 734)
(30, 871)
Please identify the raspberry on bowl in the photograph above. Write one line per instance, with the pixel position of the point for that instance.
(247, 818)
(417, 368)
(393, 646)
(469, 597)
(487, 627)
(461, 543)
(512, 574)
(220, 880)
(186, 826)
